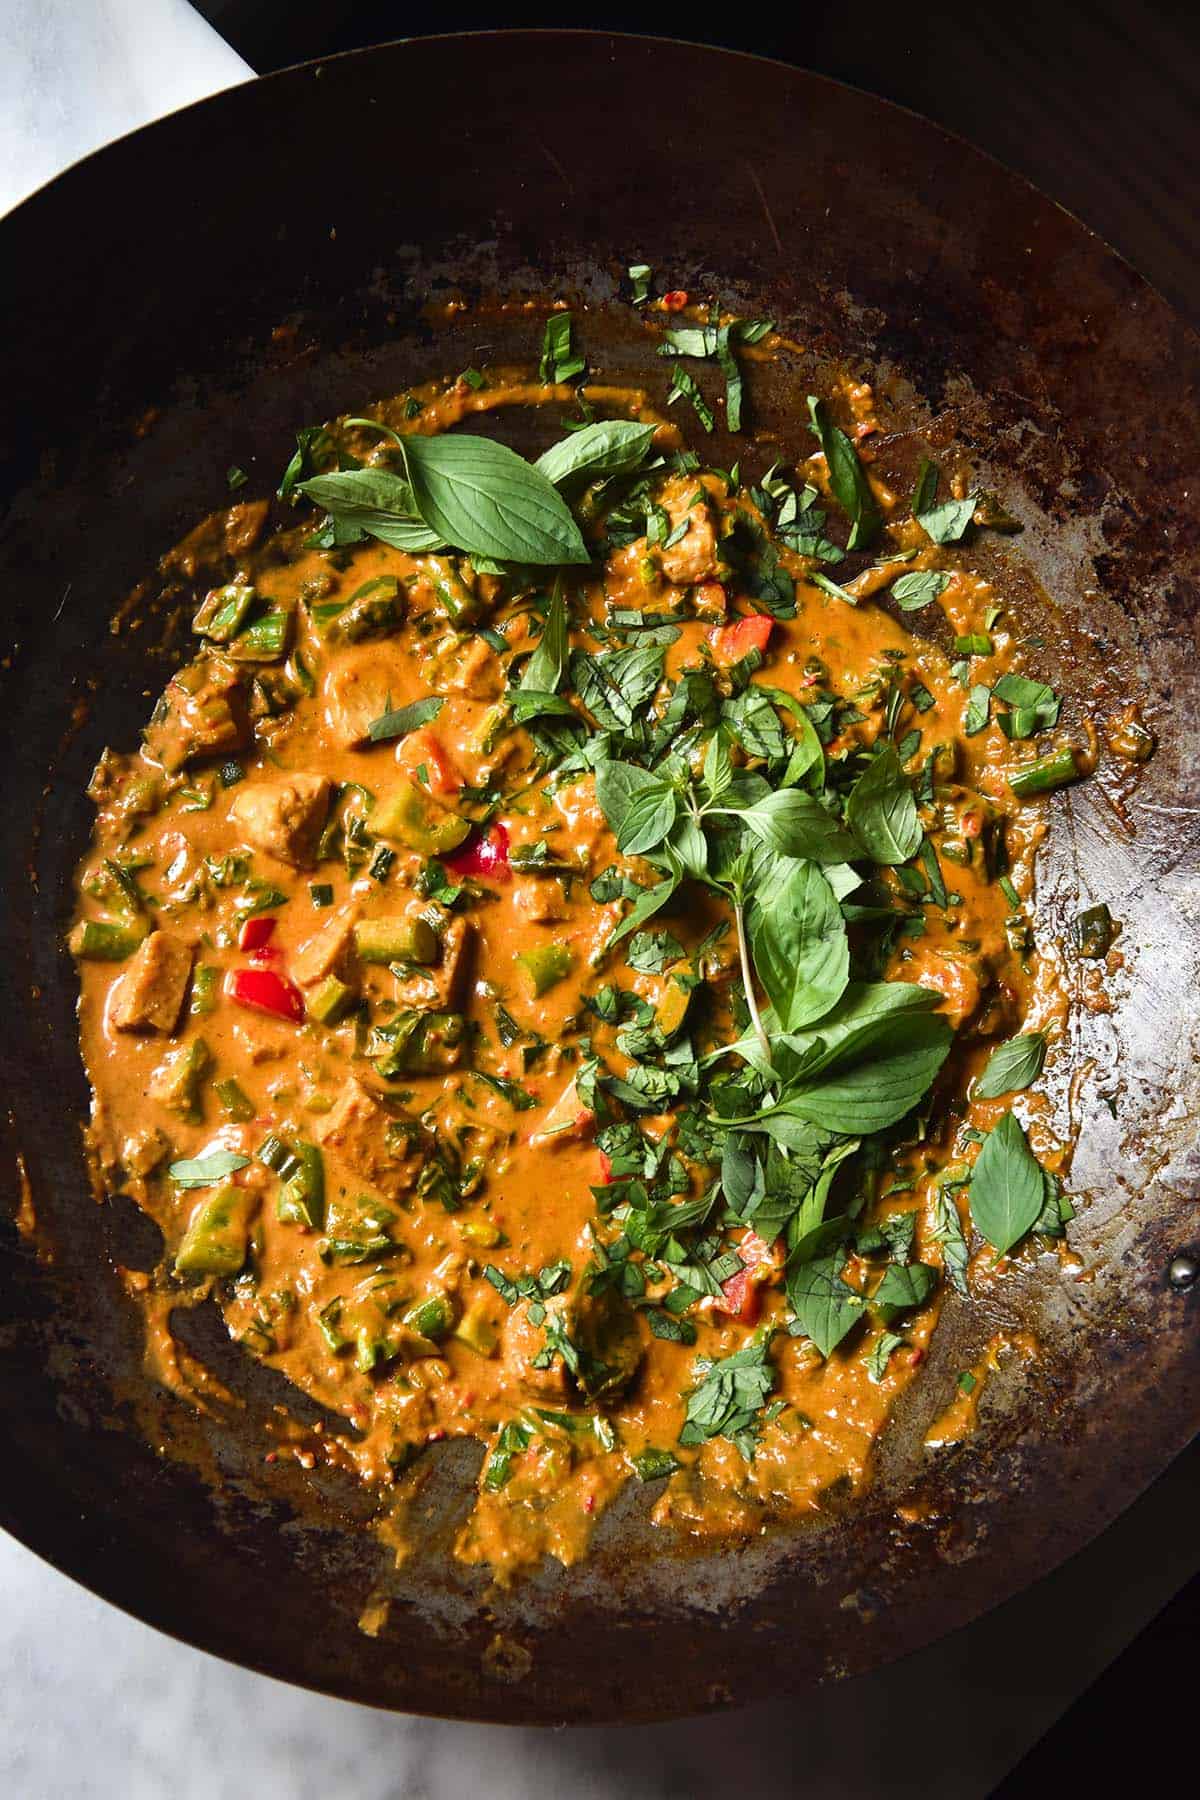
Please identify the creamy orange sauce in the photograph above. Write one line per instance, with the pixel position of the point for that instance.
(431, 1173)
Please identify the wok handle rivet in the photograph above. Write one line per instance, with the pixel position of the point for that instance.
(1184, 1271)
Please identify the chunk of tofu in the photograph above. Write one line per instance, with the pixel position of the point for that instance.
(283, 816)
(694, 557)
(440, 988)
(150, 992)
(372, 1144)
(143, 1151)
(474, 670)
(587, 828)
(360, 684)
(523, 1342)
(329, 951)
(202, 713)
(540, 899)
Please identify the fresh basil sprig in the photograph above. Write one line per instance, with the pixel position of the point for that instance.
(468, 492)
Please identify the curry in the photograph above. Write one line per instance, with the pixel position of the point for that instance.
(560, 969)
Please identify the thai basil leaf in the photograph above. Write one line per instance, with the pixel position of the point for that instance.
(616, 685)
(485, 499)
(404, 719)
(796, 824)
(1012, 1066)
(882, 813)
(544, 670)
(640, 807)
(203, 1171)
(847, 477)
(377, 502)
(918, 588)
(683, 387)
(800, 948)
(904, 1285)
(755, 724)
(609, 447)
(871, 1095)
(1007, 1190)
(947, 521)
(826, 1308)
(559, 359)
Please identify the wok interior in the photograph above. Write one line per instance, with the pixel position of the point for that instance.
(283, 254)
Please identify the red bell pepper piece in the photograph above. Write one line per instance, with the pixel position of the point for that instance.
(731, 642)
(484, 853)
(675, 301)
(256, 932)
(605, 1167)
(742, 1293)
(741, 1298)
(264, 990)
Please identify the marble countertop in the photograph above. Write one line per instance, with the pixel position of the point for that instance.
(93, 1703)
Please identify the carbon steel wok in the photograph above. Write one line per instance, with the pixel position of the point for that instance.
(142, 354)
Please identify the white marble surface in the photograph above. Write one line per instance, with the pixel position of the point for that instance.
(76, 73)
(94, 1704)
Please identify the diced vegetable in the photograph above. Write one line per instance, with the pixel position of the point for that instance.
(1047, 773)
(545, 965)
(264, 990)
(175, 1084)
(266, 640)
(99, 940)
(413, 817)
(730, 643)
(411, 940)
(486, 853)
(476, 1331)
(655, 1465)
(234, 1101)
(218, 1234)
(330, 1002)
(431, 1318)
(302, 1201)
(460, 603)
(256, 931)
(223, 611)
(1093, 932)
(206, 982)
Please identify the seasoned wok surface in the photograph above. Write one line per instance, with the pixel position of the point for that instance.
(1017, 312)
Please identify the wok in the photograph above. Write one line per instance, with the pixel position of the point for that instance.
(181, 302)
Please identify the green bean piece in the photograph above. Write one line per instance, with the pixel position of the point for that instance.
(234, 1100)
(431, 1318)
(395, 940)
(302, 1201)
(223, 612)
(1043, 776)
(206, 988)
(266, 640)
